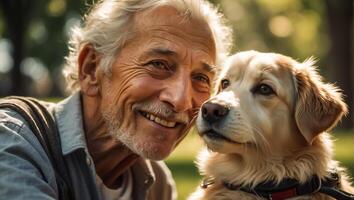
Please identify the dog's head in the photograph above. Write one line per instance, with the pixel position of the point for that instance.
(268, 102)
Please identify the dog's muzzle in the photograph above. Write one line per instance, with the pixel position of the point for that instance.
(214, 112)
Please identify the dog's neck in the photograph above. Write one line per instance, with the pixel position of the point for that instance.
(253, 168)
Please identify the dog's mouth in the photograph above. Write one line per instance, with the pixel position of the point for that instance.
(212, 134)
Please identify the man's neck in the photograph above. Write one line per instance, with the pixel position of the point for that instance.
(111, 157)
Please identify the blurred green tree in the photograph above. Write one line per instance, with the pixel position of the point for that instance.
(39, 29)
(15, 15)
(340, 55)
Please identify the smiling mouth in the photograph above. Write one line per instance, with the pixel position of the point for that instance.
(158, 120)
(212, 134)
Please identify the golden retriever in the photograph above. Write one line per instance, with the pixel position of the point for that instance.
(265, 130)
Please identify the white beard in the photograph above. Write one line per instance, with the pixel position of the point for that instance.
(137, 145)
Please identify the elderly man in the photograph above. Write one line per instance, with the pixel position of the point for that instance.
(138, 71)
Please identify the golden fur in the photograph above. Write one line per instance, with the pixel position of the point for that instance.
(270, 137)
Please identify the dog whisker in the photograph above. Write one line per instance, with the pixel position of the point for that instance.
(264, 144)
(191, 123)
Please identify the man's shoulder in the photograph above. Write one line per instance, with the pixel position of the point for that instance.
(10, 122)
(15, 133)
(22, 157)
(17, 138)
(11, 118)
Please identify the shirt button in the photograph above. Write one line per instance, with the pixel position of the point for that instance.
(88, 161)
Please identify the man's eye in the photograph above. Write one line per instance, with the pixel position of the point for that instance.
(160, 64)
(202, 78)
(263, 89)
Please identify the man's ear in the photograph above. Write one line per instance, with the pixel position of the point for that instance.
(89, 73)
(319, 106)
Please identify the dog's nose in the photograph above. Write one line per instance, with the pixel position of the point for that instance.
(212, 112)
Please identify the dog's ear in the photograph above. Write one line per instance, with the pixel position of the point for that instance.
(319, 106)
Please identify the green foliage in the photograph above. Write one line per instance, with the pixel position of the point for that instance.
(292, 27)
(187, 178)
(47, 29)
(281, 24)
(344, 149)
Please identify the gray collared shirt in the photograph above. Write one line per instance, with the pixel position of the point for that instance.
(26, 172)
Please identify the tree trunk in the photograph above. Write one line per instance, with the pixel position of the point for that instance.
(340, 20)
(16, 18)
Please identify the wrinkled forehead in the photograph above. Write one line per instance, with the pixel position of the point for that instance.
(169, 19)
(167, 24)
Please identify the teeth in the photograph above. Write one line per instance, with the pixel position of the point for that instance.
(159, 120)
(152, 117)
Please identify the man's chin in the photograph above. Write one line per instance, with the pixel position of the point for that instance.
(152, 152)
(152, 148)
(153, 156)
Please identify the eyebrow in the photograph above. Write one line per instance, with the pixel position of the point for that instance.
(209, 68)
(161, 51)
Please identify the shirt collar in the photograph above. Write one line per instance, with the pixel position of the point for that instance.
(68, 115)
(143, 173)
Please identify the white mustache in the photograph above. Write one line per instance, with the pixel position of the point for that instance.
(163, 110)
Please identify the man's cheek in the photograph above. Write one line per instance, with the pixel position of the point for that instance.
(146, 87)
(201, 98)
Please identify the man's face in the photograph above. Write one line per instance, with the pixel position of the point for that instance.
(158, 82)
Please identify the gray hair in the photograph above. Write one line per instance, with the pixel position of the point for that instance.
(106, 28)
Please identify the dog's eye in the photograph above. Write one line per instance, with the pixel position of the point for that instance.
(225, 83)
(264, 89)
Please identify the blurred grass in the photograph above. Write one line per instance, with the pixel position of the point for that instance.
(181, 161)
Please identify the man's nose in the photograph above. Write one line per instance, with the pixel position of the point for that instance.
(178, 93)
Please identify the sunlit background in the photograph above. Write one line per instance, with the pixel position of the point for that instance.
(298, 28)
(34, 35)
